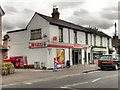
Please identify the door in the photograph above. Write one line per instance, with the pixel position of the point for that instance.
(89, 58)
(76, 57)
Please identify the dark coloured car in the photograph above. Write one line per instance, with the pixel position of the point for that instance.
(109, 61)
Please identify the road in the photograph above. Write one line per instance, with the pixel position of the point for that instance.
(93, 79)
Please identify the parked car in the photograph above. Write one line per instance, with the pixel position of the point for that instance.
(109, 61)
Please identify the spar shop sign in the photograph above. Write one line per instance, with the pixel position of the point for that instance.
(37, 44)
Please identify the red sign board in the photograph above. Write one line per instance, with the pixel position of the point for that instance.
(85, 47)
(55, 38)
(77, 45)
(36, 45)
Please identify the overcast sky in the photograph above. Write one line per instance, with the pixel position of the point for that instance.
(96, 13)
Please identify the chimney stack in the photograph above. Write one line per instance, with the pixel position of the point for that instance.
(55, 14)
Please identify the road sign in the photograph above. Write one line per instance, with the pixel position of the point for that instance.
(55, 65)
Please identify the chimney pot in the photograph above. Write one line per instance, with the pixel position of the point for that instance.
(55, 14)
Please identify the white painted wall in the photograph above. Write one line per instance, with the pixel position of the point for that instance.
(53, 31)
(36, 23)
(18, 45)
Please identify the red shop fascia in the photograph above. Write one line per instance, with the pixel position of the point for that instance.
(33, 45)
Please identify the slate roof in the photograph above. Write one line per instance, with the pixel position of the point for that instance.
(62, 23)
(73, 26)
(67, 25)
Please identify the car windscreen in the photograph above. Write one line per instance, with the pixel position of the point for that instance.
(106, 57)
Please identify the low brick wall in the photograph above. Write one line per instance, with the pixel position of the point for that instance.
(8, 71)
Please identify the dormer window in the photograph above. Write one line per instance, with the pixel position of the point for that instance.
(35, 34)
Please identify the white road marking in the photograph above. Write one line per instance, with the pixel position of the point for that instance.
(68, 86)
(80, 83)
(96, 79)
(28, 83)
(76, 74)
(64, 87)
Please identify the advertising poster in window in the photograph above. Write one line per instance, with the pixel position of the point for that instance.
(60, 56)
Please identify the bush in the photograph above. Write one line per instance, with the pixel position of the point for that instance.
(8, 65)
(4, 67)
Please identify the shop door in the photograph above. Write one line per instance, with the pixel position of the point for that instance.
(80, 57)
(76, 57)
(89, 58)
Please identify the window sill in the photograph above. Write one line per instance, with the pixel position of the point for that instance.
(35, 39)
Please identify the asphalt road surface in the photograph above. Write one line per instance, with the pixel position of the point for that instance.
(93, 79)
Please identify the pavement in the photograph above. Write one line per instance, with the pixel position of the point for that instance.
(26, 75)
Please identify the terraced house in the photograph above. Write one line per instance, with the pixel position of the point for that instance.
(46, 39)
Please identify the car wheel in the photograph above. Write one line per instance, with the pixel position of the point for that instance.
(116, 67)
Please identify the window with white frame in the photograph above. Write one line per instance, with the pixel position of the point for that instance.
(75, 36)
(60, 34)
(94, 40)
(35, 34)
(86, 38)
(100, 40)
(108, 42)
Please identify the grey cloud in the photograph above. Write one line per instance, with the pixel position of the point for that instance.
(65, 5)
(27, 11)
(10, 9)
(8, 25)
(17, 21)
(111, 8)
(81, 12)
(84, 17)
(110, 13)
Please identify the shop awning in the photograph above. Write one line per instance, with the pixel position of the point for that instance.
(99, 49)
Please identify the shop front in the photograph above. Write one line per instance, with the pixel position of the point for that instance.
(62, 52)
(97, 53)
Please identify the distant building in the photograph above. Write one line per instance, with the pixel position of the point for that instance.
(46, 39)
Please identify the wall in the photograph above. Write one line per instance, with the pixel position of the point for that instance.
(39, 23)
(19, 41)
(53, 31)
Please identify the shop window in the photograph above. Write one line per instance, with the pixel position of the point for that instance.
(60, 34)
(75, 36)
(60, 56)
(36, 34)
